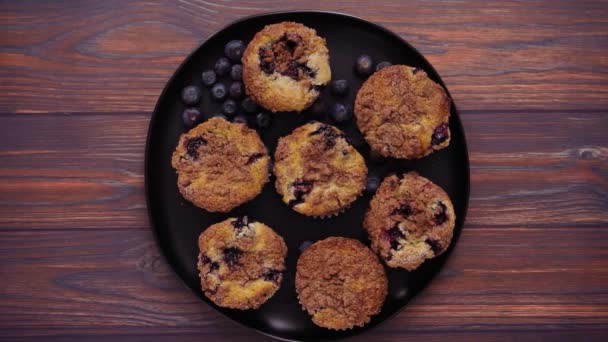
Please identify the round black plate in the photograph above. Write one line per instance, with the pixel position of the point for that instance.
(177, 223)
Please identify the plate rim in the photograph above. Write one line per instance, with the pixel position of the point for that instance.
(154, 117)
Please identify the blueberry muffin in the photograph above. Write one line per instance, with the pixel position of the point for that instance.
(318, 173)
(220, 165)
(241, 263)
(410, 219)
(284, 67)
(402, 113)
(340, 283)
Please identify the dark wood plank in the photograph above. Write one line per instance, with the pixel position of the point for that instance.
(497, 280)
(89, 170)
(119, 55)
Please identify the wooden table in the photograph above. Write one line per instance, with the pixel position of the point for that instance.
(79, 80)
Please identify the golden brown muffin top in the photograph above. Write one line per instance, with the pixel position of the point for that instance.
(402, 113)
(318, 172)
(340, 283)
(284, 66)
(241, 263)
(410, 219)
(220, 165)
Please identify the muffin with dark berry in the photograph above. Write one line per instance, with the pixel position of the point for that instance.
(284, 67)
(220, 165)
(241, 263)
(402, 113)
(340, 283)
(318, 173)
(410, 219)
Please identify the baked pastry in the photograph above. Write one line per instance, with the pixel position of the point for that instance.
(402, 113)
(340, 283)
(284, 66)
(318, 173)
(241, 263)
(410, 219)
(220, 165)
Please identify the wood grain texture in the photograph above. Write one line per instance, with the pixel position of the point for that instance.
(79, 79)
(118, 56)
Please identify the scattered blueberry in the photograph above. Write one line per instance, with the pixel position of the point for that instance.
(240, 119)
(440, 134)
(339, 87)
(364, 65)
(222, 66)
(441, 216)
(263, 120)
(383, 65)
(236, 72)
(341, 113)
(219, 92)
(236, 90)
(318, 108)
(219, 115)
(234, 50)
(229, 107)
(372, 184)
(191, 117)
(209, 77)
(191, 95)
(249, 106)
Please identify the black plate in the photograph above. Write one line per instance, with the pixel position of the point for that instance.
(177, 223)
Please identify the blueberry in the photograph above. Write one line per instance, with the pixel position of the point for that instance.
(236, 72)
(341, 113)
(249, 106)
(372, 184)
(191, 116)
(263, 120)
(234, 50)
(222, 66)
(383, 65)
(318, 108)
(191, 95)
(364, 65)
(440, 134)
(219, 115)
(209, 77)
(229, 107)
(339, 87)
(219, 92)
(236, 90)
(240, 119)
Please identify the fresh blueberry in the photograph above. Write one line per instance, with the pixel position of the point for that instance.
(219, 115)
(364, 65)
(240, 119)
(219, 92)
(191, 116)
(339, 87)
(236, 90)
(222, 66)
(234, 50)
(209, 77)
(236, 72)
(263, 120)
(191, 95)
(383, 65)
(341, 113)
(318, 108)
(229, 107)
(249, 106)
(372, 184)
